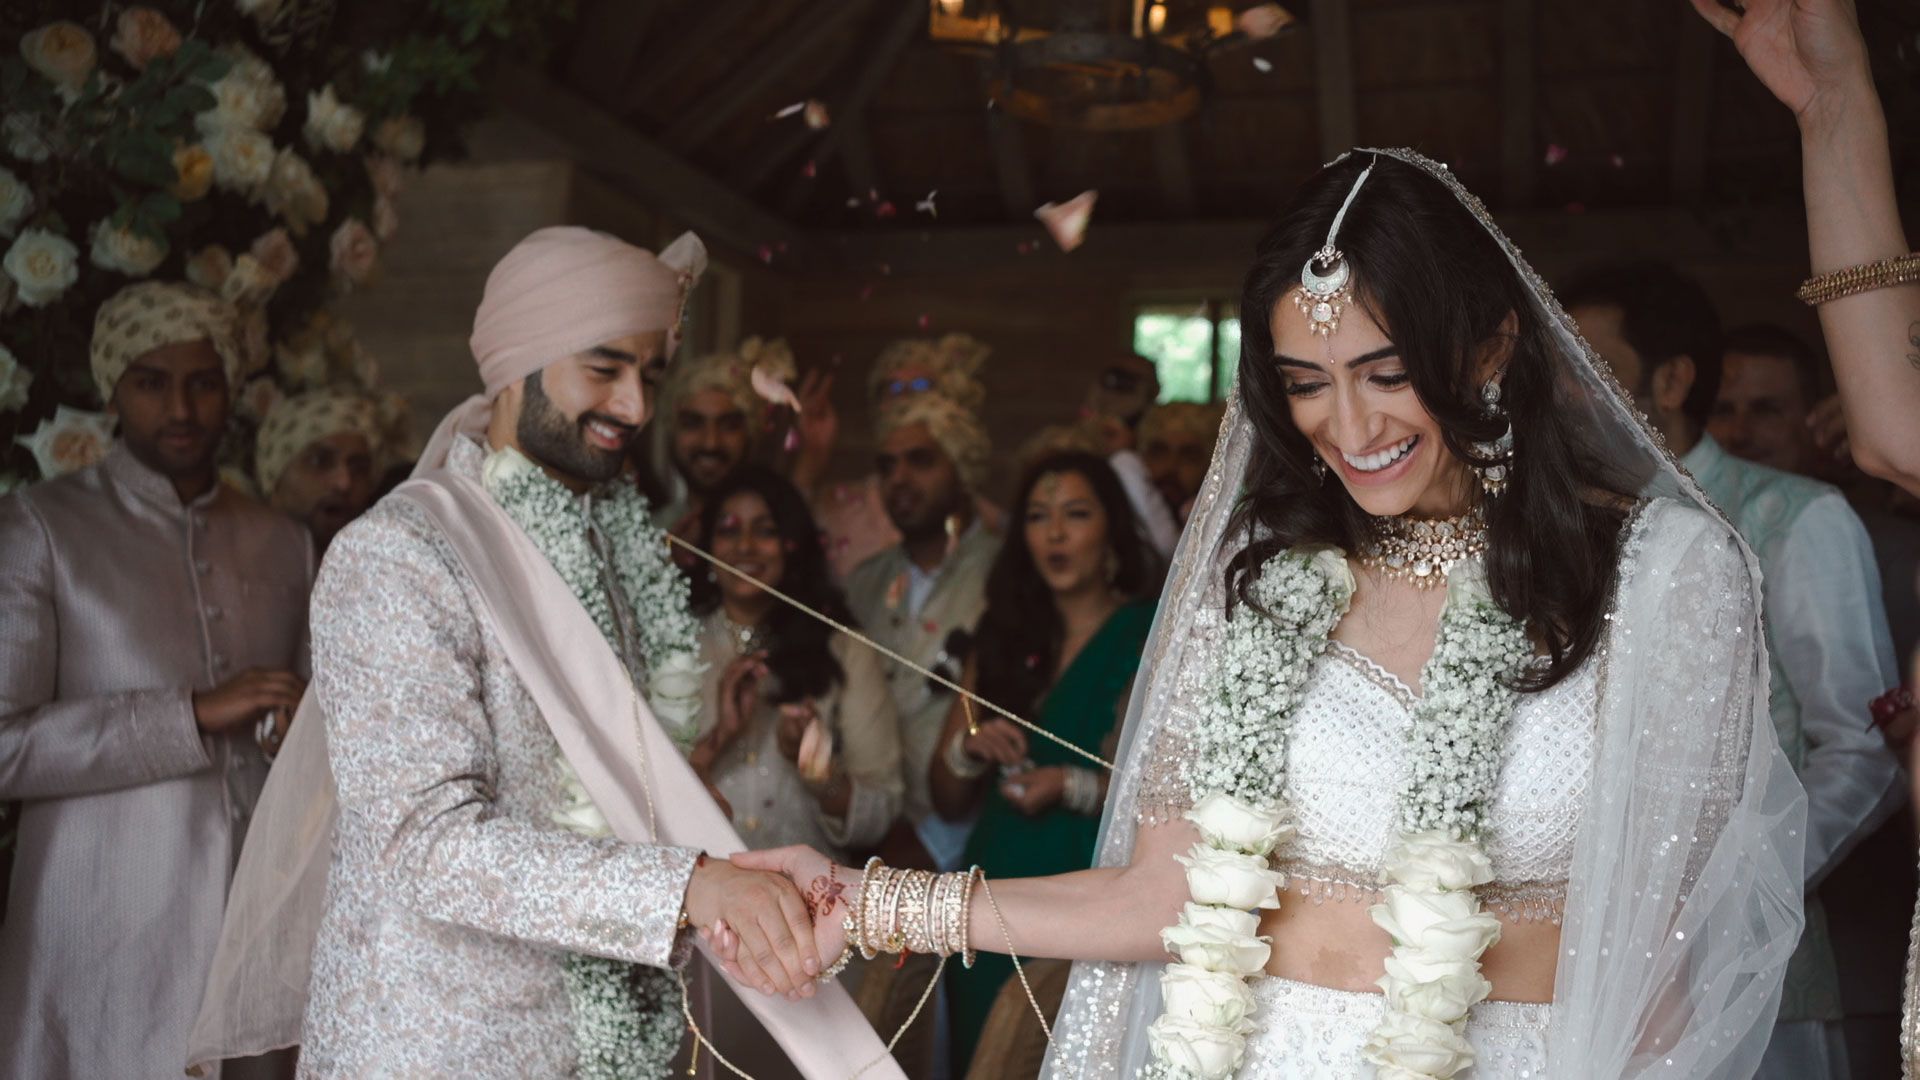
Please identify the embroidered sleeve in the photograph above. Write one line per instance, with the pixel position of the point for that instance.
(398, 658)
(1164, 793)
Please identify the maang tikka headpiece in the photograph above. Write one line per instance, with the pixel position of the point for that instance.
(1325, 293)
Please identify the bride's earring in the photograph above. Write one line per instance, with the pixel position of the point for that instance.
(1498, 454)
(1319, 469)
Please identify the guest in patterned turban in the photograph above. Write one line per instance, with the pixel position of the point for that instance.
(714, 420)
(165, 357)
(1176, 442)
(316, 457)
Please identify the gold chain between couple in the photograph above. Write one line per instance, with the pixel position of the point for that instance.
(965, 694)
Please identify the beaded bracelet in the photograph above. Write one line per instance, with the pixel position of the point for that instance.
(1886, 273)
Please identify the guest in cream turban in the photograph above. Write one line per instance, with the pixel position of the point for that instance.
(712, 421)
(165, 358)
(1176, 443)
(948, 366)
(316, 458)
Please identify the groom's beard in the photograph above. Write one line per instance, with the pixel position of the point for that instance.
(550, 438)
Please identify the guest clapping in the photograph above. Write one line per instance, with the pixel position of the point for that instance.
(1059, 642)
(801, 737)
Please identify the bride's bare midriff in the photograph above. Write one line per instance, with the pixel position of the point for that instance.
(1335, 944)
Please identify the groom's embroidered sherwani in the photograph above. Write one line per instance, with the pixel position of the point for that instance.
(453, 898)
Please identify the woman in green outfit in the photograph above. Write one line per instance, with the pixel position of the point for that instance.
(1058, 645)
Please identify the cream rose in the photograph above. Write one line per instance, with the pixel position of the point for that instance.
(209, 267)
(193, 172)
(142, 36)
(1213, 998)
(1332, 564)
(1216, 948)
(332, 124)
(248, 283)
(1445, 999)
(72, 439)
(15, 200)
(1443, 925)
(62, 51)
(1420, 1046)
(274, 251)
(1227, 821)
(387, 176)
(242, 158)
(673, 689)
(15, 381)
(1209, 1053)
(43, 264)
(1467, 584)
(26, 139)
(1434, 860)
(247, 96)
(304, 366)
(1409, 966)
(401, 137)
(354, 252)
(386, 220)
(1231, 879)
(577, 812)
(124, 251)
(294, 193)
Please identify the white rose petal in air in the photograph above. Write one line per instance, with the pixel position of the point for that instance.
(1067, 222)
(1231, 879)
(770, 387)
(43, 265)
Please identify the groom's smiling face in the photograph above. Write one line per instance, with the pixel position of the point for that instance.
(578, 416)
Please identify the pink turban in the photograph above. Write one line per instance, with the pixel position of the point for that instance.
(565, 289)
(562, 291)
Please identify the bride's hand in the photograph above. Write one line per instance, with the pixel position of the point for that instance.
(826, 888)
(1808, 52)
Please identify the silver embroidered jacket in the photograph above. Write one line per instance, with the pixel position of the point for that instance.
(117, 602)
(453, 898)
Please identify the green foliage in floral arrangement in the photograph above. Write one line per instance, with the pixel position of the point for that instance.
(254, 147)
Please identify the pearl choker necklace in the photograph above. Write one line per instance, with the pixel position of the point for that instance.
(1422, 552)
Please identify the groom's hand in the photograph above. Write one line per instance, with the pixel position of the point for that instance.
(768, 918)
(827, 889)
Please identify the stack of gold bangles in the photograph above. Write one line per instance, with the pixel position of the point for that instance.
(1887, 273)
(912, 911)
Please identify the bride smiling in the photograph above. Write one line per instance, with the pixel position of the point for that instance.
(1450, 746)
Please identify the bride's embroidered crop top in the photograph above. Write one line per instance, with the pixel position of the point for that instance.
(1347, 761)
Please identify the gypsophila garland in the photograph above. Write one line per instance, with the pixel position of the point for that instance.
(626, 1017)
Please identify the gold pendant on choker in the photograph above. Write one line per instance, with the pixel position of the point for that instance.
(1422, 553)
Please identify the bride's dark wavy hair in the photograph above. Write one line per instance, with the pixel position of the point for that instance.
(1440, 286)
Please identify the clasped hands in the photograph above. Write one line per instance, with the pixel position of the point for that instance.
(775, 920)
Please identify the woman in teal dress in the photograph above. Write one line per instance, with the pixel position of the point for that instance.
(1059, 642)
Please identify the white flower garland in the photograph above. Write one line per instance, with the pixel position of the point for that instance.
(1238, 779)
(626, 1017)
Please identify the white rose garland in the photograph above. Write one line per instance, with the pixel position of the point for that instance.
(1238, 779)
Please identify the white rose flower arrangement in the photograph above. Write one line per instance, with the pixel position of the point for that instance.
(1238, 776)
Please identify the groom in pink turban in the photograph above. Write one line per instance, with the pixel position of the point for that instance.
(518, 855)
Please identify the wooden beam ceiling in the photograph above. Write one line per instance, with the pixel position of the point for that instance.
(602, 143)
(658, 68)
(792, 46)
(607, 43)
(1518, 156)
(899, 34)
(1333, 77)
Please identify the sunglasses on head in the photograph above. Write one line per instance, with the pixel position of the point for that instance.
(917, 385)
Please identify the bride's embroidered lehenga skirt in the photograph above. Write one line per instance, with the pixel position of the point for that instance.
(1313, 1033)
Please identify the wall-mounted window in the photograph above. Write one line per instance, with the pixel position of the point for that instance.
(1195, 347)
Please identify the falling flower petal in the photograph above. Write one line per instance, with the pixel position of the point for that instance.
(815, 760)
(884, 210)
(1617, 161)
(924, 321)
(926, 205)
(796, 107)
(792, 440)
(866, 293)
(1262, 65)
(816, 116)
(853, 202)
(766, 253)
(810, 170)
(1067, 221)
(1556, 153)
(886, 269)
(1263, 21)
(768, 386)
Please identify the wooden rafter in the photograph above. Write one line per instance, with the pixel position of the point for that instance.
(658, 68)
(607, 42)
(899, 34)
(601, 142)
(787, 48)
(1517, 156)
(1333, 77)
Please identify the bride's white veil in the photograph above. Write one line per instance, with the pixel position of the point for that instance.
(1685, 898)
